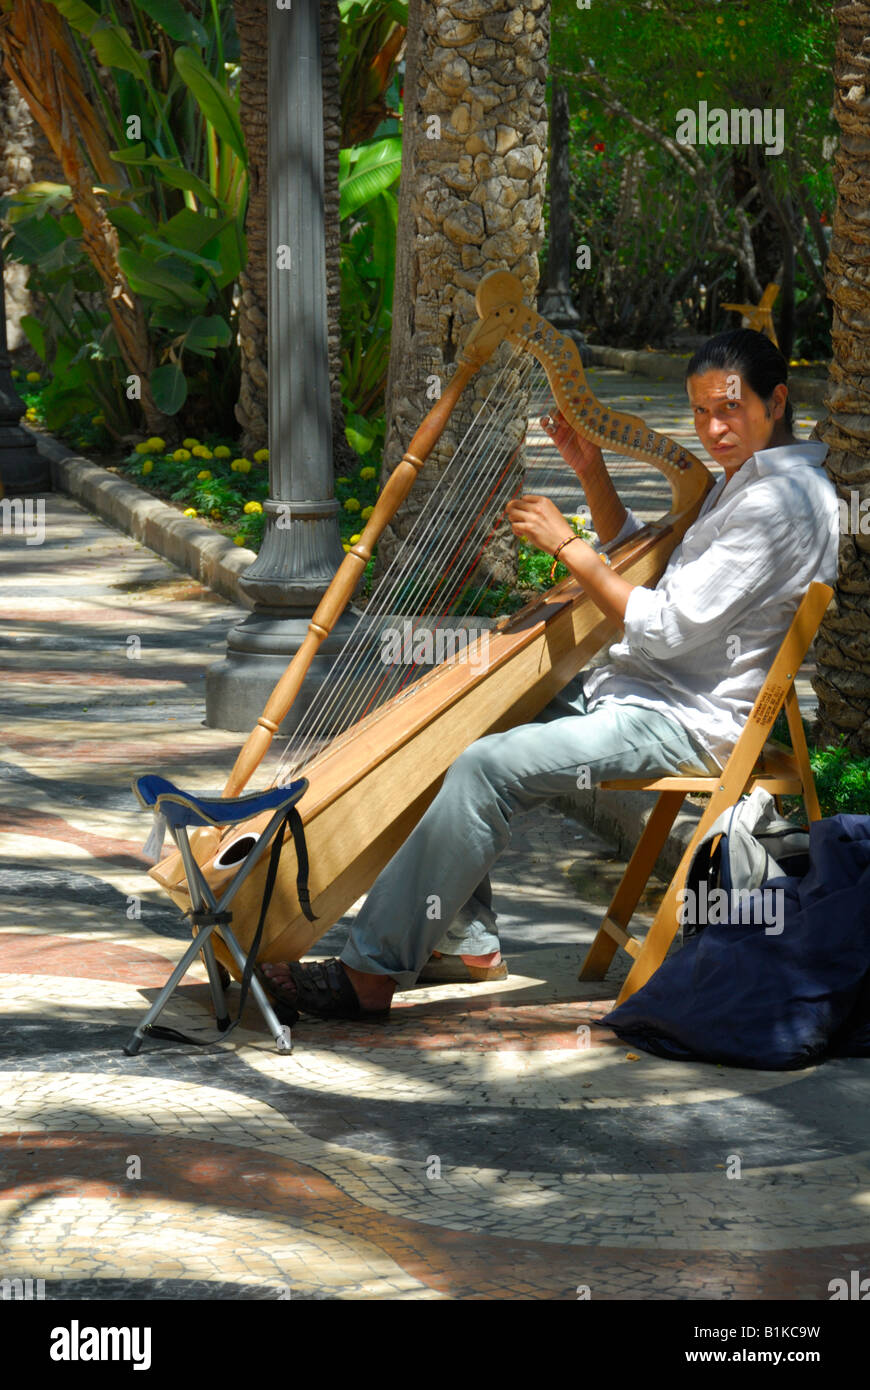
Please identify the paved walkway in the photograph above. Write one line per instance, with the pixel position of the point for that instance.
(473, 1148)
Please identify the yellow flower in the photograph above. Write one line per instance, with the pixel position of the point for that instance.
(181, 455)
(98, 419)
(15, 373)
(252, 508)
(342, 480)
(241, 465)
(201, 452)
(32, 376)
(147, 465)
(30, 413)
(222, 452)
(189, 511)
(354, 539)
(368, 473)
(366, 513)
(156, 445)
(261, 456)
(238, 540)
(345, 546)
(215, 514)
(190, 443)
(351, 505)
(143, 447)
(204, 476)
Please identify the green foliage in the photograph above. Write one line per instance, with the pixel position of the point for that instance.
(178, 207)
(368, 176)
(652, 237)
(842, 780)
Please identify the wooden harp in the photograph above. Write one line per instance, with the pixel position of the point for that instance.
(370, 785)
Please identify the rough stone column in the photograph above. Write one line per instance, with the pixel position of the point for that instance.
(473, 176)
(843, 646)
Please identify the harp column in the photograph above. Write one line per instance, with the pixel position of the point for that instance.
(302, 545)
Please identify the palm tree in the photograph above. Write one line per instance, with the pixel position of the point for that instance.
(41, 62)
(842, 682)
(474, 148)
(16, 169)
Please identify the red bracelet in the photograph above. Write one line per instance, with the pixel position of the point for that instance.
(558, 549)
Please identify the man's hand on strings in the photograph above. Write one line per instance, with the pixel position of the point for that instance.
(579, 453)
(538, 521)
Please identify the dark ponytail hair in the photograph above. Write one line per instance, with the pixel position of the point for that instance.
(752, 355)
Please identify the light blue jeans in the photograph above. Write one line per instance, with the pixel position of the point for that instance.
(434, 894)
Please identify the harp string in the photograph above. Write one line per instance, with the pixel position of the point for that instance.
(374, 680)
(362, 680)
(404, 586)
(511, 480)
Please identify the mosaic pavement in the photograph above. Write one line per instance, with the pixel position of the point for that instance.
(489, 1142)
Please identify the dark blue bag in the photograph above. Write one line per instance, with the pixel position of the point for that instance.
(744, 993)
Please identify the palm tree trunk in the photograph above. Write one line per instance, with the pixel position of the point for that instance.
(474, 149)
(16, 169)
(41, 61)
(842, 682)
(251, 407)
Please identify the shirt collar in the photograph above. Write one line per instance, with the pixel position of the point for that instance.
(810, 454)
(765, 462)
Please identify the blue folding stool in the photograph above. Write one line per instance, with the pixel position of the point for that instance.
(180, 810)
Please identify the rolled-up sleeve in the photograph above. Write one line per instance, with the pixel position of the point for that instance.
(743, 565)
(628, 528)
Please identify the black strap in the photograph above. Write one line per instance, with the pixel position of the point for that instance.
(293, 820)
(298, 832)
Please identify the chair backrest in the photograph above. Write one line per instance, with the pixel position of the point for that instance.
(778, 683)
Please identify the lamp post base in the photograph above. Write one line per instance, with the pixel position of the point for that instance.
(23, 469)
(258, 652)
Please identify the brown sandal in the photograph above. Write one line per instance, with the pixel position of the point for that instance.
(321, 988)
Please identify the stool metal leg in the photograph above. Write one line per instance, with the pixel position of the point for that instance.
(168, 989)
(202, 899)
(280, 1031)
(221, 1012)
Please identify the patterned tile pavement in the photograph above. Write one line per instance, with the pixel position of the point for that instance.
(489, 1142)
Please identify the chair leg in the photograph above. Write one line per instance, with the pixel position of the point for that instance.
(613, 931)
(658, 939)
(802, 755)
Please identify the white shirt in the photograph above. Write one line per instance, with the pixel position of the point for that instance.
(699, 645)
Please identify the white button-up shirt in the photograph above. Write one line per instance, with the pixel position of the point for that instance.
(699, 645)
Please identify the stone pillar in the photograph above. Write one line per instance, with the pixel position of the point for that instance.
(301, 546)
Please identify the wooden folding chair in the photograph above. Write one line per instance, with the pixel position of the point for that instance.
(755, 762)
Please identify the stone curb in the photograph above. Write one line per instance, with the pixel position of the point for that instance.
(661, 364)
(211, 558)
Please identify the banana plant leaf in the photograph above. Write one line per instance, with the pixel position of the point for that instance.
(179, 25)
(215, 103)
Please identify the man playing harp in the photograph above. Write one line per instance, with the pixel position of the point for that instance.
(672, 699)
